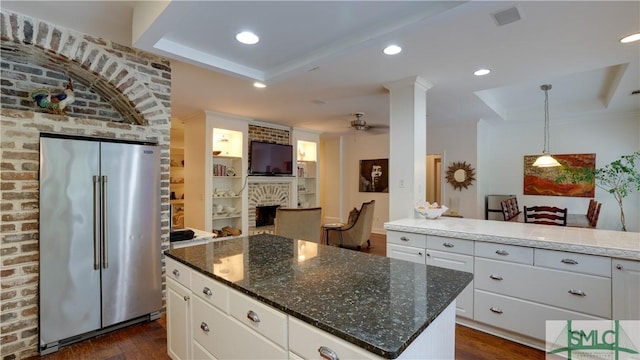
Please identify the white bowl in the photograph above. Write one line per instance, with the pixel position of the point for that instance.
(432, 213)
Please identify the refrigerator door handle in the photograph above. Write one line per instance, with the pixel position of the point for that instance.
(105, 238)
(96, 223)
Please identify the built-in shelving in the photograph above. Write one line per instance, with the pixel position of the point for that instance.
(307, 169)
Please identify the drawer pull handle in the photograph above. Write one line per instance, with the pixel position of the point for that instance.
(569, 261)
(176, 273)
(207, 291)
(327, 353)
(204, 327)
(251, 315)
(420, 253)
(495, 310)
(502, 252)
(186, 298)
(577, 292)
(449, 245)
(404, 238)
(619, 267)
(495, 277)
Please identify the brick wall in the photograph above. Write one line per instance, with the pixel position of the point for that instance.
(267, 134)
(121, 92)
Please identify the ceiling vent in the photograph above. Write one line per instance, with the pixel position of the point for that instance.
(507, 16)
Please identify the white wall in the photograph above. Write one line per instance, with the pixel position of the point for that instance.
(608, 138)
(457, 143)
(352, 147)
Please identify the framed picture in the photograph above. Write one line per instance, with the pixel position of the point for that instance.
(542, 181)
(374, 175)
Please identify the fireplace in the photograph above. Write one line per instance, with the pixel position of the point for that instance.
(265, 215)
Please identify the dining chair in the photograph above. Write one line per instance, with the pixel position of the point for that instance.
(547, 215)
(356, 233)
(510, 209)
(593, 220)
(301, 224)
(591, 209)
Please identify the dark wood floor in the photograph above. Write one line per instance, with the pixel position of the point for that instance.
(149, 341)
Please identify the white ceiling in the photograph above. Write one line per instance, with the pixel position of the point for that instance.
(323, 61)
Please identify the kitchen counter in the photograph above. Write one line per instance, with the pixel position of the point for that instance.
(618, 244)
(376, 303)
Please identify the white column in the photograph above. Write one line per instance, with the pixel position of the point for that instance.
(407, 145)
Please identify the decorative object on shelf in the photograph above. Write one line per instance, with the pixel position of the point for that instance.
(374, 175)
(546, 160)
(460, 175)
(430, 211)
(231, 171)
(619, 178)
(543, 181)
(54, 104)
(216, 152)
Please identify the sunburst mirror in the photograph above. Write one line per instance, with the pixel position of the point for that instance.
(460, 175)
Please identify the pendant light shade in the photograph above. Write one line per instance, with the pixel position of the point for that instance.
(546, 160)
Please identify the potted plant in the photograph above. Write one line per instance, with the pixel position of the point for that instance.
(618, 178)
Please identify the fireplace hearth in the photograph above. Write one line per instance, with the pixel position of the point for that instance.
(265, 215)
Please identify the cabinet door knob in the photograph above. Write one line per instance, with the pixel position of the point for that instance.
(449, 245)
(569, 261)
(207, 291)
(576, 292)
(204, 326)
(327, 353)
(176, 273)
(502, 252)
(420, 253)
(495, 310)
(404, 238)
(186, 298)
(495, 277)
(251, 315)
(619, 267)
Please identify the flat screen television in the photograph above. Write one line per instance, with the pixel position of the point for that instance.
(269, 159)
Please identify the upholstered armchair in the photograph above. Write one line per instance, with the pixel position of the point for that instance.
(357, 231)
(301, 224)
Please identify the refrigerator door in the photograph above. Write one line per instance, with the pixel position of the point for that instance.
(69, 281)
(131, 271)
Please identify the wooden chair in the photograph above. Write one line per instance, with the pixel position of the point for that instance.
(593, 220)
(591, 209)
(510, 210)
(356, 232)
(547, 215)
(301, 224)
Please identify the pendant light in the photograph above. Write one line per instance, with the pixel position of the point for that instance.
(545, 160)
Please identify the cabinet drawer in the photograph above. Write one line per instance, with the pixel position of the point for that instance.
(512, 253)
(200, 353)
(458, 246)
(306, 342)
(260, 317)
(210, 291)
(577, 292)
(581, 263)
(226, 338)
(408, 239)
(408, 253)
(517, 315)
(177, 272)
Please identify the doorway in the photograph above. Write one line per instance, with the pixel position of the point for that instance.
(434, 179)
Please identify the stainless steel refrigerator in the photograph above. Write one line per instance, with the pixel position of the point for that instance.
(100, 241)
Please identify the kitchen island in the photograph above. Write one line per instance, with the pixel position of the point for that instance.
(525, 274)
(293, 298)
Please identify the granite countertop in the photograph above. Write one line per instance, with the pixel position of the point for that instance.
(377, 303)
(619, 244)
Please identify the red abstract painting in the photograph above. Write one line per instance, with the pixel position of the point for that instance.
(541, 181)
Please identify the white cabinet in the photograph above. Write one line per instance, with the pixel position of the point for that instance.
(625, 276)
(307, 184)
(306, 148)
(227, 181)
(456, 254)
(178, 311)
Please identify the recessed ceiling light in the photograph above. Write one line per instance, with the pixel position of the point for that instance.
(392, 50)
(259, 85)
(247, 37)
(630, 38)
(481, 72)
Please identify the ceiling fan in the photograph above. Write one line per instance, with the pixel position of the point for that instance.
(359, 124)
